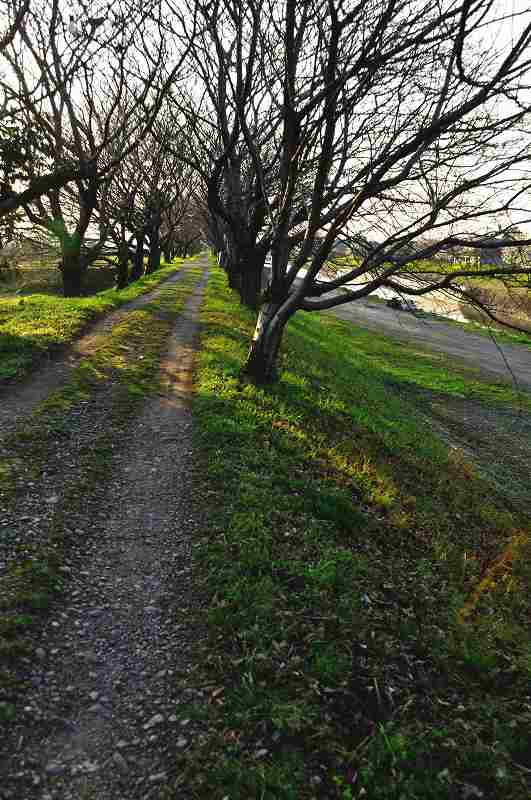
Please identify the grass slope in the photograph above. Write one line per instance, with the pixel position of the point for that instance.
(35, 324)
(369, 606)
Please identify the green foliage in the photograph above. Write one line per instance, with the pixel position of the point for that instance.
(69, 242)
(7, 712)
(265, 781)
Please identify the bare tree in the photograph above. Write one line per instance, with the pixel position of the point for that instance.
(181, 221)
(13, 12)
(395, 122)
(92, 87)
(147, 206)
(17, 143)
(226, 109)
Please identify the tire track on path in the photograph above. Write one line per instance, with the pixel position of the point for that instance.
(18, 400)
(109, 694)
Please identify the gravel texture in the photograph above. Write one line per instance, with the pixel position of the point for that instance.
(107, 709)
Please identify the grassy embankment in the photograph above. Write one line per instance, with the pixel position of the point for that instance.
(124, 367)
(37, 323)
(369, 608)
(513, 305)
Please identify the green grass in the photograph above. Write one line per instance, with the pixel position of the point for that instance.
(407, 367)
(126, 363)
(352, 652)
(35, 324)
(501, 335)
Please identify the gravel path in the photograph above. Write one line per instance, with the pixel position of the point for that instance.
(18, 400)
(105, 710)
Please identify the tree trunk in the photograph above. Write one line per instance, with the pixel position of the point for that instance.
(234, 277)
(138, 262)
(153, 258)
(153, 230)
(261, 363)
(73, 268)
(154, 250)
(168, 256)
(123, 267)
(231, 265)
(244, 265)
(251, 279)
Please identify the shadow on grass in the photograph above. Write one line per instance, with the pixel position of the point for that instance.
(336, 420)
(17, 353)
(343, 538)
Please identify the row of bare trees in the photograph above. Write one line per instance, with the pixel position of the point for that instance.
(83, 155)
(150, 203)
(402, 128)
(273, 130)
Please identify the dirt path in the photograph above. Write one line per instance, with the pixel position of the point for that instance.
(103, 715)
(18, 400)
(107, 711)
